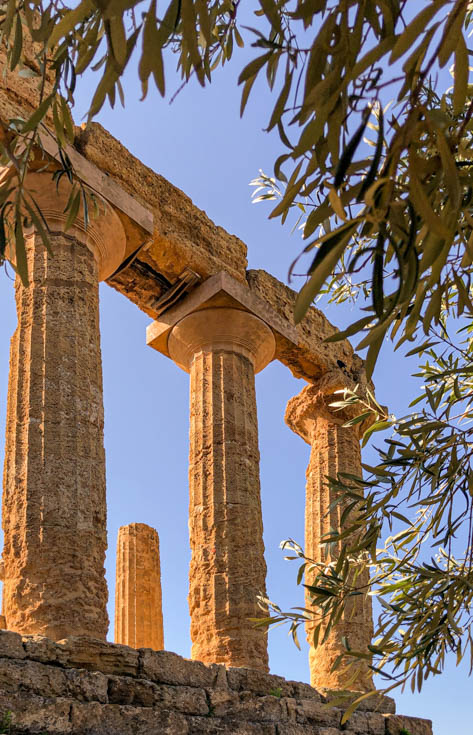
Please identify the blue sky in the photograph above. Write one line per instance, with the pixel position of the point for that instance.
(200, 144)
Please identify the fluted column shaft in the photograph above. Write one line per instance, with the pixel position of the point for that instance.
(54, 508)
(221, 348)
(334, 449)
(138, 598)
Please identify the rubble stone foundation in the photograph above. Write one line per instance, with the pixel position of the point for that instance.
(90, 687)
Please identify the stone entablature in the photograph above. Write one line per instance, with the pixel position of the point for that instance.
(183, 236)
(88, 687)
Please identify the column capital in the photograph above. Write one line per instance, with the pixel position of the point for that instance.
(104, 234)
(220, 313)
(224, 329)
(313, 403)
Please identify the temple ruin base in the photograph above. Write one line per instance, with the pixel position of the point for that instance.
(87, 686)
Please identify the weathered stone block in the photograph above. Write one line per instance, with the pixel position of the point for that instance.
(220, 674)
(11, 645)
(376, 703)
(107, 719)
(245, 706)
(40, 648)
(249, 680)
(222, 701)
(46, 681)
(217, 726)
(291, 708)
(189, 700)
(143, 693)
(292, 728)
(125, 690)
(52, 681)
(415, 725)
(366, 723)
(169, 668)
(301, 690)
(86, 686)
(32, 714)
(94, 655)
(315, 712)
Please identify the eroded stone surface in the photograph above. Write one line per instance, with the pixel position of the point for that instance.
(334, 449)
(11, 645)
(311, 357)
(164, 693)
(97, 655)
(54, 508)
(376, 703)
(414, 725)
(138, 597)
(169, 668)
(222, 348)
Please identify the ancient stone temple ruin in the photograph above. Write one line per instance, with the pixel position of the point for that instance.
(221, 323)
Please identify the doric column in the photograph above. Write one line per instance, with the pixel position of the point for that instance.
(222, 348)
(54, 510)
(138, 599)
(334, 449)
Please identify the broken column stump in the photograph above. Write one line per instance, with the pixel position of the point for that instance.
(138, 598)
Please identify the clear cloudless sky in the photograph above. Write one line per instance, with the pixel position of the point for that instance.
(200, 145)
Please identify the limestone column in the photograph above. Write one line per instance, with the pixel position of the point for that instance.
(54, 509)
(138, 599)
(222, 349)
(334, 449)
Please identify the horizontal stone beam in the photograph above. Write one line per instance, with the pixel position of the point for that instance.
(183, 237)
(103, 184)
(306, 353)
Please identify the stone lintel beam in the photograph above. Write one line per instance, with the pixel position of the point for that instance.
(136, 219)
(219, 291)
(103, 184)
(306, 354)
(184, 236)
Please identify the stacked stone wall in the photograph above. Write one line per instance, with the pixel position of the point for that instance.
(87, 686)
